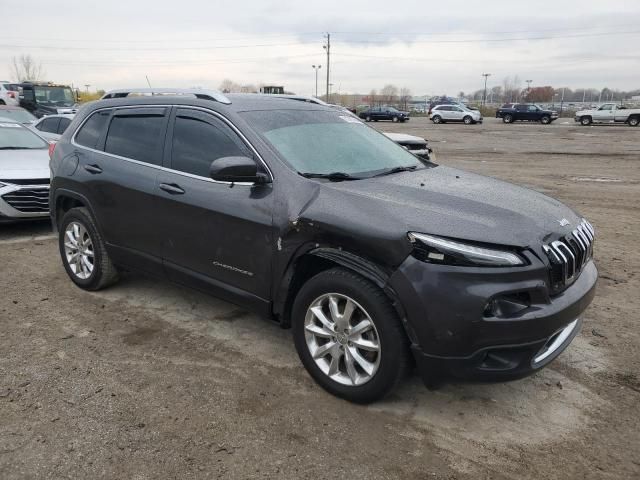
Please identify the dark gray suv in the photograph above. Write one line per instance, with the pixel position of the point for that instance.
(379, 260)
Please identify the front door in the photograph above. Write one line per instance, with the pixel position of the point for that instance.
(217, 236)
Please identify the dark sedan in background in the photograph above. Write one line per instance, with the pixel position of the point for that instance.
(384, 113)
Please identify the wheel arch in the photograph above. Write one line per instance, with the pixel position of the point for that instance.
(64, 200)
(315, 260)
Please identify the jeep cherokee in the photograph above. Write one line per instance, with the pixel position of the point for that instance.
(377, 259)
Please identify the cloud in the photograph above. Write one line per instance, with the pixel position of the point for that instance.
(430, 47)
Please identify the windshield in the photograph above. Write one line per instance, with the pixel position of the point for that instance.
(14, 136)
(19, 115)
(54, 96)
(326, 142)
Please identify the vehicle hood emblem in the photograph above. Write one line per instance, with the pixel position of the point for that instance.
(564, 222)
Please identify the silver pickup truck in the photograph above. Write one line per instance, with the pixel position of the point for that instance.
(609, 113)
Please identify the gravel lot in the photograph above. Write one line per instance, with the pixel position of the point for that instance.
(148, 380)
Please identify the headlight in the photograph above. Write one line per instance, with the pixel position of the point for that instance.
(448, 252)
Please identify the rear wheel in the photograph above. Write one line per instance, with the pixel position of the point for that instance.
(83, 251)
(2, 102)
(467, 120)
(436, 119)
(585, 121)
(349, 337)
(367, 118)
(546, 120)
(634, 121)
(508, 118)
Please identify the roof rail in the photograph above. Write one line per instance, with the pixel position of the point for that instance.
(214, 95)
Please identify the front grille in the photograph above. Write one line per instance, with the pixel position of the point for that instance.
(568, 255)
(30, 181)
(29, 200)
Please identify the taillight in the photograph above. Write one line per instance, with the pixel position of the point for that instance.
(52, 147)
(11, 94)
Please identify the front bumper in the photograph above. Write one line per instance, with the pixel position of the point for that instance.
(452, 334)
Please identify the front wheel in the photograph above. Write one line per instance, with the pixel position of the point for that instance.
(436, 119)
(546, 120)
(634, 121)
(394, 119)
(367, 118)
(83, 251)
(349, 337)
(467, 120)
(586, 121)
(507, 118)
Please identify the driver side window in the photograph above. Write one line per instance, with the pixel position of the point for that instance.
(199, 139)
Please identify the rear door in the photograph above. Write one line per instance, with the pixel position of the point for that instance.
(216, 235)
(119, 171)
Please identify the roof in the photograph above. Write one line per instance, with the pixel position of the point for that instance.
(207, 98)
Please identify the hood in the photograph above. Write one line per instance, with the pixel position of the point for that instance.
(24, 164)
(449, 202)
(404, 138)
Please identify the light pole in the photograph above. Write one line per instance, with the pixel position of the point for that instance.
(528, 88)
(87, 87)
(316, 68)
(327, 47)
(484, 97)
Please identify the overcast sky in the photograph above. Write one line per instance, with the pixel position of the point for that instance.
(432, 47)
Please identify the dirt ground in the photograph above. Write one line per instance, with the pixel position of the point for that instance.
(147, 380)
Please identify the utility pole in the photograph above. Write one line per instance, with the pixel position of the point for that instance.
(327, 47)
(316, 68)
(528, 89)
(484, 97)
(87, 87)
(562, 101)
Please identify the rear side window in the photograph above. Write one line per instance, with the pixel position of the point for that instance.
(49, 125)
(137, 135)
(62, 126)
(200, 139)
(90, 133)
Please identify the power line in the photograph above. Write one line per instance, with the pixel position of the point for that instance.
(494, 40)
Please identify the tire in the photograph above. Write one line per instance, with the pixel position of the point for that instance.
(586, 121)
(508, 118)
(367, 118)
(2, 102)
(436, 119)
(467, 120)
(78, 224)
(394, 119)
(545, 120)
(634, 121)
(388, 365)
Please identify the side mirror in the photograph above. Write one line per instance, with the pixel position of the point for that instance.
(237, 169)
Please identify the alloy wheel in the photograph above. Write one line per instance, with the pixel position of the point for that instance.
(342, 339)
(78, 249)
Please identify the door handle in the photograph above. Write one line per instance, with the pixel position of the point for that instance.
(93, 169)
(171, 188)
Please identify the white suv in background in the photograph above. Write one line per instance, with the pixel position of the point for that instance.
(8, 93)
(454, 113)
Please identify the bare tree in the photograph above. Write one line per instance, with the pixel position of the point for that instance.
(25, 68)
(372, 97)
(405, 96)
(389, 93)
(229, 86)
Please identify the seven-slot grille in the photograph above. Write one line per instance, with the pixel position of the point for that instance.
(29, 200)
(569, 254)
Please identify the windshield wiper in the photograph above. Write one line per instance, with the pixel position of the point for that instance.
(15, 148)
(396, 170)
(333, 176)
